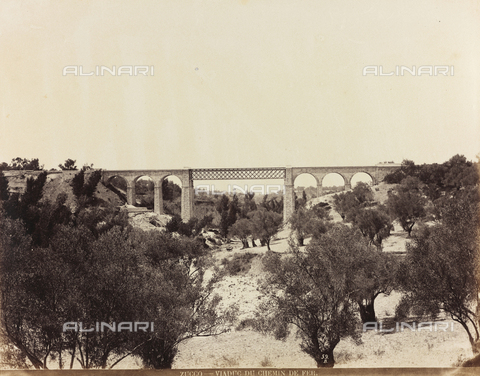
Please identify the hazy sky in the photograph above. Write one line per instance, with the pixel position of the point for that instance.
(238, 83)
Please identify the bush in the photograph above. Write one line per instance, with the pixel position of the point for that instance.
(239, 264)
(174, 223)
(193, 227)
(172, 207)
(112, 275)
(84, 190)
(187, 229)
(266, 362)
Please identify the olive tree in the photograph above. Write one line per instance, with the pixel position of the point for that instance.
(375, 224)
(312, 291)
(265, 225)
(114, 274)
(407, 204)
(241, 229)
(442, 266)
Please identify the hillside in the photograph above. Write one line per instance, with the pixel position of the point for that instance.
(60, 183)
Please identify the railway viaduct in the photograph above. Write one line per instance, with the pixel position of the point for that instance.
(288, 174)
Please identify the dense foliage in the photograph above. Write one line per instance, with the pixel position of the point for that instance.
(309, 222)
(454, 174)
(68, 165)
(22, 164)
(311, 291)
(442, 266)
(88, 266)
(407, 204)
(359, 208)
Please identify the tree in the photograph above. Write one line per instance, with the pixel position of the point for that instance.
(114, 275)
(459, 173)
(4, 192)
(43, 288)
(456, 173)
(408, 204)
(309, 222)
(375, 224)
(273, 204)
(321, 210)
(249, 204)
(182, 302)
(442, 266)
(222, 204)
(228, 211)
(222, 207)
(14, 247)
(300, 202)
(25, 164)
(363, 192)
(109, 289)
(310, 290)
(26, 206)
(84, 191)
(77, 183)
(34, 189)
(170, 190)
(372, 273)
(300, 223)
(266, 224)
(87, 167)
(432, 176)
(143, 186)
(173, 224)
(408, 168)
(241, 229)
(68, 165)
(50, 215)
(346, 204)
(233, 210)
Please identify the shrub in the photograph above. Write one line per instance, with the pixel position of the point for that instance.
(266, 362)
(239, 264)
(174, 223)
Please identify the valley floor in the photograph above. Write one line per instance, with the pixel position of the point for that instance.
(247, 348)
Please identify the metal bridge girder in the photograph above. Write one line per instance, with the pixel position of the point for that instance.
(238, 173)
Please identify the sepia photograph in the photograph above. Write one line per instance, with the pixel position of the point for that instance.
(239, 187)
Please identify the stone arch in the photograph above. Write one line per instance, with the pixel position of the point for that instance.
(166, 203)
(144, 191)
(333, 179)
(305, 177)
(356, 178)
(294, 178)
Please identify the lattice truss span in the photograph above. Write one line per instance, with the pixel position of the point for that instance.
(238, 173)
